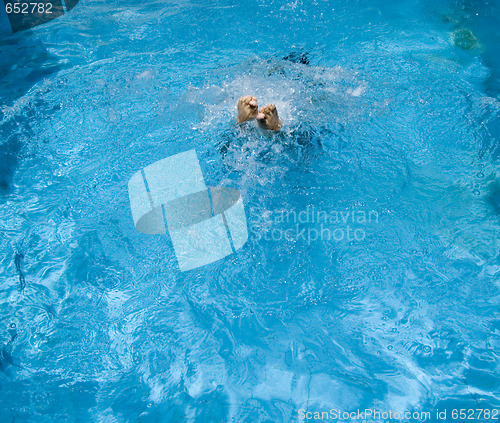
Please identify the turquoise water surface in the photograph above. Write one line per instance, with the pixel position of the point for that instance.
(371, 276)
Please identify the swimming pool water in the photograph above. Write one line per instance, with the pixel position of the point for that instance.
(395, 311)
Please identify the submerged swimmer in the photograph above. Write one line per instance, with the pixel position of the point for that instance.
(267, 116)
(299, 140)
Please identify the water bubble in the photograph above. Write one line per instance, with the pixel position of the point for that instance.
(12, 325)
(480, 174)
(390, 347)
(476, 192)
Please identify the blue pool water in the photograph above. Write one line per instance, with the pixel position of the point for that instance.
(396, 311)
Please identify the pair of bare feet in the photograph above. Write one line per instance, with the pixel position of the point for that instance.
(267, 116)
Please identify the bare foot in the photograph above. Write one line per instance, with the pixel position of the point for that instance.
(268, 118)
(247, 108)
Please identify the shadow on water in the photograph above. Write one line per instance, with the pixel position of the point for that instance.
(476, 27)
(9, 159)
(483, 20)
(494, 197)
(24, 62)
(6, 350)
(17, 261)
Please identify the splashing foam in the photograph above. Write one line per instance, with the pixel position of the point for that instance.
(301, 93)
